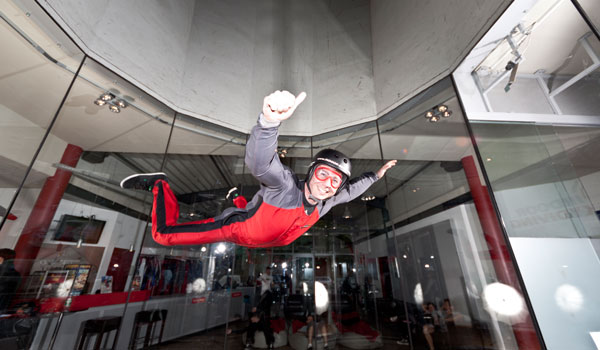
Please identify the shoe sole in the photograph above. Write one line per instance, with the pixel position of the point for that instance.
(134, 175)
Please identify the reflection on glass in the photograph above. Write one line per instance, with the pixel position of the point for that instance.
(81, 241)
(35, 74)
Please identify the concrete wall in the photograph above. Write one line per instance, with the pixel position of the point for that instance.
(215, 60)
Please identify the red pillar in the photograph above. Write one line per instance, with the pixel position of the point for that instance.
(525, 333)
(43, 211)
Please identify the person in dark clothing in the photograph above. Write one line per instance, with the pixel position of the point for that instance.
(257, 322)
(9, 278)
(396, 317)
(282, 210)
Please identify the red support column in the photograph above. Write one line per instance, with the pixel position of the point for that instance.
(525, 333)
(43, 211)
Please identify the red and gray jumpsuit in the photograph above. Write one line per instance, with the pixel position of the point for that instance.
(277, 214)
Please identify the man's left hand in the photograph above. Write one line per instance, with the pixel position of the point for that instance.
(385, 168)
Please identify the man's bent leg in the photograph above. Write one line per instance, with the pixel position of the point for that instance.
(166, 230)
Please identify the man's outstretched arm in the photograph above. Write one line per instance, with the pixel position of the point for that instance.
(359, 185)
(261, 150)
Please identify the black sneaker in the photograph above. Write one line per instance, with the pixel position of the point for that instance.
(232, 193)
(142, 181)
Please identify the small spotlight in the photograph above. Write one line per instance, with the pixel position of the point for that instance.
(434, 119)
(446, 114)
(107, 96)
(203, 249)
(114, 109)
(442, 108)
(429, 114)
(488, 159)
(121, 103)
(100, 102)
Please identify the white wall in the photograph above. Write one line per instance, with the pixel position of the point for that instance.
(561, 209)
(560, 275)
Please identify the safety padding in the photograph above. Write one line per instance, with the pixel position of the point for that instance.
(356, 341)
(279, 333)
(356, 333)
(299, 340)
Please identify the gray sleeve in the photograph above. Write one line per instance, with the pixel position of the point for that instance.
(355, 188)
(261, 154)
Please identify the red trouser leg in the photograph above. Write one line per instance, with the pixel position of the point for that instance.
(166, 230)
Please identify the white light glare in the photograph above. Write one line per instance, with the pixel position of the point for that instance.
(569, 298)
(418, 294)
(221, 248)
(283, 265)
(199, 285)
(203, 249)
(503, 299)
(307, 265)
(64, 288)
(321, 298)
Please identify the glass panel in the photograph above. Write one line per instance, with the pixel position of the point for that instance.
(444, 269)
(83, 235)
(36, 69)
(592, 10)
(346, 272)
(543, 170)
(547, 194)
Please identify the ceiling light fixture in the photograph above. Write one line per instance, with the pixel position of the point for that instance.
(113, 108)
(107, 96)
(438, 112)
(121, 103)
(115, 104)
(368, 197)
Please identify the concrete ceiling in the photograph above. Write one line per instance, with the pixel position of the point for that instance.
(215, 60)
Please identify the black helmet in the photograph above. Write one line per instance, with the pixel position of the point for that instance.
(334, 159)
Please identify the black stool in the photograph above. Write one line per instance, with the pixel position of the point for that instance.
(149, 319)
(99, 327)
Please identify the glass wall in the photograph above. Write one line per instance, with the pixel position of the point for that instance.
(538, 139)
(32, 86)
(421, 260)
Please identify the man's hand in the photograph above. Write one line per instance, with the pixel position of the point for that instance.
(280, 105)
(385, 168)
